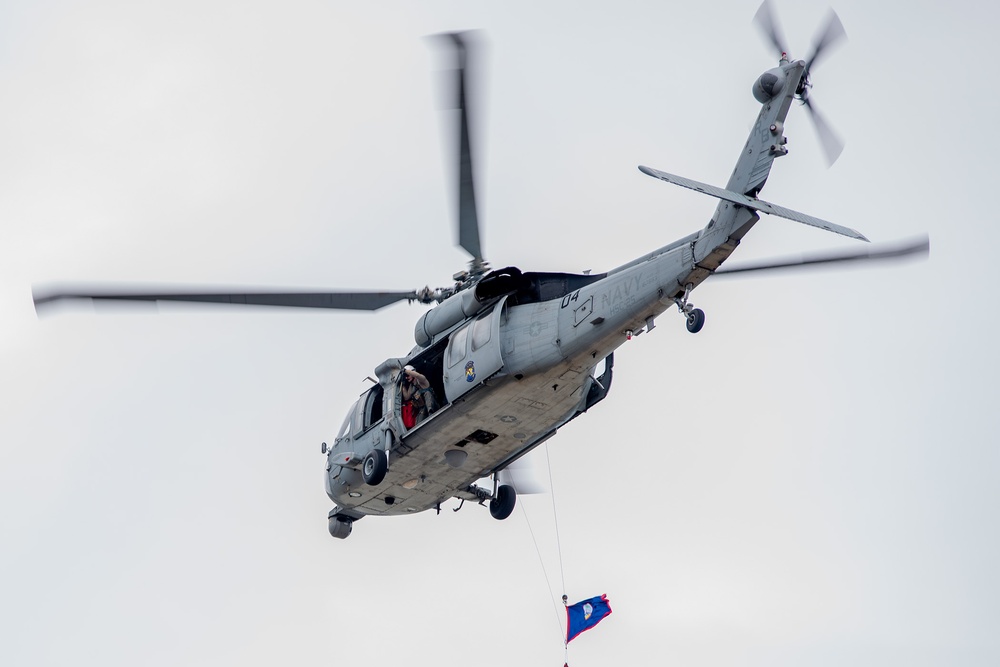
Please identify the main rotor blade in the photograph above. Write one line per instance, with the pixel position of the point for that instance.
(468, 216)
(885, 252)
(832, 33)
(768, 24)
(523, 477)
(50, 295)
(832, 145)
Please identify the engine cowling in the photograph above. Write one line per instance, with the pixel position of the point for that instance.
(465, 304)
(447, 314)
(769, 84)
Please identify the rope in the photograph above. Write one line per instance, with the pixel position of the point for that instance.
(562, 572)
(538, 551)
(555, 518)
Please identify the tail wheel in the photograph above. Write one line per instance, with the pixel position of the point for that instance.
(503, 504)
(695, 320)
(374, 467)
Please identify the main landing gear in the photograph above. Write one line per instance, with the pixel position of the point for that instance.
(502, 500)
(695, 320)
(695, 316)
(503, 504)
(374, 467)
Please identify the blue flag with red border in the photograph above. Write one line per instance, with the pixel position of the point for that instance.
(585, 614)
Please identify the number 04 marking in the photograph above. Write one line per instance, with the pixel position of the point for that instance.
(570, 298)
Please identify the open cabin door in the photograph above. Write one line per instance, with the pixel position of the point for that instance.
(473, 353)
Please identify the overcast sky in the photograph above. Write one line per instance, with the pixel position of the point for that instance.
(812, 479)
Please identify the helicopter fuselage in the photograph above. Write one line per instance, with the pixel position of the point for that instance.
(511, 376)
(511, 371)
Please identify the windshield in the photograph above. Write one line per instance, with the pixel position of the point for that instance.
(347, 422)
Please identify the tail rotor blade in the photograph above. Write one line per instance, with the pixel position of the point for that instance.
(832, 145)
(768, 25)
(832, 33)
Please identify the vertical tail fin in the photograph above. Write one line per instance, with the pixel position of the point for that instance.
(775, 89)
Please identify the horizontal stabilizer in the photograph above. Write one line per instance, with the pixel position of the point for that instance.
(751, 203)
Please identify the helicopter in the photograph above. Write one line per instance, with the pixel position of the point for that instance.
(505, 358)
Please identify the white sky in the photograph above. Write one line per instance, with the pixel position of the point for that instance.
(810, 480)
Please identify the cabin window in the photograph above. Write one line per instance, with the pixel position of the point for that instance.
(456, 352)
(482, 329)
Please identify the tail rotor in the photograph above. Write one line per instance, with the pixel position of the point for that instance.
(831, 34)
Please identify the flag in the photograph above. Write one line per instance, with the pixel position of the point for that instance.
(584, 615)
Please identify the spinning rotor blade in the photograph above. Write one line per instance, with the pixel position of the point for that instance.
(832, 145)
(522, 475)
(47, 296)
(468, 217)
(887, 252)
(768, 24)
(522, 479)
(832, 33)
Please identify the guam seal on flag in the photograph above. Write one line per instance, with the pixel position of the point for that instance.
(585, 614)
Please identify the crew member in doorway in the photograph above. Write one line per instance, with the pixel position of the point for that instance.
(418, 397)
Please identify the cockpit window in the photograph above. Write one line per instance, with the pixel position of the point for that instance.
(368, 410)
(347, 423)
(373, 405)
(359, 417)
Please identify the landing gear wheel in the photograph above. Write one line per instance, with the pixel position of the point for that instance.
(374, 467)
(503, 504)
(695, 320)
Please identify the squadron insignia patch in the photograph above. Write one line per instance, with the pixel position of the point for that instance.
(470, 371)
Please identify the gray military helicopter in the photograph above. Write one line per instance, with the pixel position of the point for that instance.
(509, 357)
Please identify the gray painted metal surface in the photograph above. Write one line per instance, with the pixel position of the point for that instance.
(548, 352)
(754, 204)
